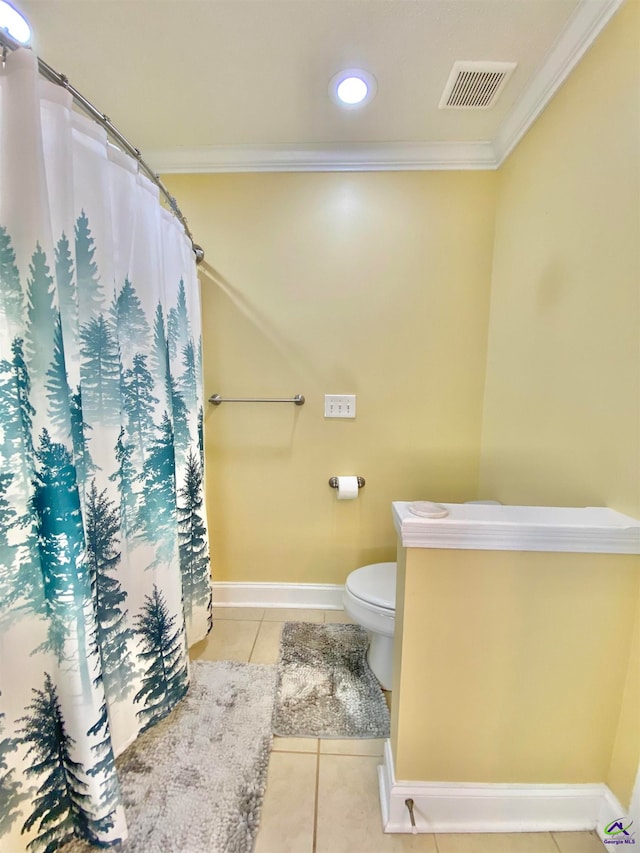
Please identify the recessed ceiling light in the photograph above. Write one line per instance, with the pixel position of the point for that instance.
(14, 22)
(352, 88)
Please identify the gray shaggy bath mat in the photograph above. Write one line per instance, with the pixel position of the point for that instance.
(194, 783)
(325, 687)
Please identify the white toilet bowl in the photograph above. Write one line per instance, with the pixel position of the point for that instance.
(370, 599)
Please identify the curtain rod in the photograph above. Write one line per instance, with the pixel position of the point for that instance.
(9, 43)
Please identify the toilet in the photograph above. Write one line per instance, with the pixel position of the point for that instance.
(370, 599)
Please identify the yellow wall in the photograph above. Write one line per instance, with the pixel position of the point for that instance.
(371, 284)
(561, 418)
(561, 421)
(523, 658)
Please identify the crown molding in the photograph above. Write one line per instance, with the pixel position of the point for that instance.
(590, 17)
(584, 26)
(351, 157)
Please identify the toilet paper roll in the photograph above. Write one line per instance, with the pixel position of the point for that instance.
(347, 488)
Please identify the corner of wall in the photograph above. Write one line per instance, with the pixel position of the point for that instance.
(624, 769)
(483, 489)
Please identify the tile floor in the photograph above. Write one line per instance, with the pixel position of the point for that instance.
(322, 795)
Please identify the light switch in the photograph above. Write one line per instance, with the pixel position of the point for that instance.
(339, 405)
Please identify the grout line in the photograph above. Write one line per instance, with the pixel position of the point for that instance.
(352, 754)
(555, 841)
(255, 640)
(315, 805)
(292, 752)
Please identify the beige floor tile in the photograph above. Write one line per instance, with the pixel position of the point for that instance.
(497, 842)
(295, 744)
(338, 616)
(286, 824)
(352, 746)
(292, 614)
(227, 640)
(349, 819)
(244, 614)
(579, 842)
(267, 643)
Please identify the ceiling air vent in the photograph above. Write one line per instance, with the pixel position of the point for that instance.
(475, 85)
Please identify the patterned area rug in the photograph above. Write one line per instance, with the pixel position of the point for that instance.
(325, 687)
(194, 783)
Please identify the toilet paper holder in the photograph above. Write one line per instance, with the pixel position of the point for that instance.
(333, 482)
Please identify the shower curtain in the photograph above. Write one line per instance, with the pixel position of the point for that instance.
(104, 568)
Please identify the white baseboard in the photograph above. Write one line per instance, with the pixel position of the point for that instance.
(470, 807)
(610, 810)
(321, 596)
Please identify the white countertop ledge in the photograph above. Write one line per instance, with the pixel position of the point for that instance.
(590, 530)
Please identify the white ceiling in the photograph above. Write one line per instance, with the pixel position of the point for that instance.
(243, 84)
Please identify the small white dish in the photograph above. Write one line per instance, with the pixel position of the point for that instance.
(428, 509)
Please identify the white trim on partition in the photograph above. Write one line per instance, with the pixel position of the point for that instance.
(300, 595)
(486, 807)
(591, 530)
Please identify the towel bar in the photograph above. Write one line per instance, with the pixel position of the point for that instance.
(216, 399)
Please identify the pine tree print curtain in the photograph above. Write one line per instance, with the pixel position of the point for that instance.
(104, 572)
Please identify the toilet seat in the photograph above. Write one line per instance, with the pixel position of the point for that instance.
(370, 599)
(375, 586)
